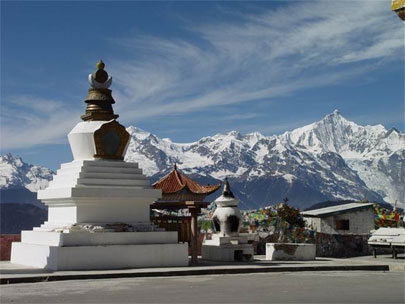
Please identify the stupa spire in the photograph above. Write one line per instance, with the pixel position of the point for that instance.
(99, 100)
(227, 189)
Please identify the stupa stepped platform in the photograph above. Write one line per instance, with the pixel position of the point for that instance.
(89, 202)
(99, 173)
(99, 179)
(98, 192)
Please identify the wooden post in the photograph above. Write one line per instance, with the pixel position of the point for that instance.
(194, 209)
(194, 235)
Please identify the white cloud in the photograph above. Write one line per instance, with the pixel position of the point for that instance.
(28, 121)
(263, 56)
(382, 48)
(258, 56)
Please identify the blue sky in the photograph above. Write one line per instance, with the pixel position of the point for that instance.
(185, 70)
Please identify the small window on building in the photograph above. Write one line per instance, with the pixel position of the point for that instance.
(342, 225)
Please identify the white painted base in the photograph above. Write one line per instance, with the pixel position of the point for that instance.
(227, 249)
(99, 250)
(290, 252)
(227, 253)
(217, 240)
(100, 257)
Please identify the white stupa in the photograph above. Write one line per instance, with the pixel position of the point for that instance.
(226, 244)
(98, 204)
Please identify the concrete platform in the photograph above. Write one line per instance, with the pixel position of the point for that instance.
(100, 257)
(227, 252)
(290, 252)
(107, 250)
(11, 273)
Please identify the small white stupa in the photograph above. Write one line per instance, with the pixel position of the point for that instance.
(226, 244)
(98, 204)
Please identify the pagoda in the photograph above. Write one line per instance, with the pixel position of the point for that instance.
(181, 192)
(177, 186)
(98, 204)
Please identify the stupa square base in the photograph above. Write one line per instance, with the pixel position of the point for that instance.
(227, 253)
(100, 257)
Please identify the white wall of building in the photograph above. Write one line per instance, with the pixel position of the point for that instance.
(360, 222)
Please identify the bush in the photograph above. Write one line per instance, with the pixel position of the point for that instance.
(290, 214)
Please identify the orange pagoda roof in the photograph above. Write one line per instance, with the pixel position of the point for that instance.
(176, 181)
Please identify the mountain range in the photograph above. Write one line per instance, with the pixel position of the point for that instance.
(332, 159)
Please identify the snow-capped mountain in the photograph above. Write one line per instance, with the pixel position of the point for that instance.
(375, 154)
(16, 174)
(18, 183)
(327, 160)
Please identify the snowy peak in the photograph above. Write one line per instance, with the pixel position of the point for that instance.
(334, 118)
(334, 133)
(15, 173)
(331, 134)
(329, 155)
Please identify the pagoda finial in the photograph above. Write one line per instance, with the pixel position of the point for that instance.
(99, 100)
(175, 166)
(100, 79)
(100, 65)
(227, 189)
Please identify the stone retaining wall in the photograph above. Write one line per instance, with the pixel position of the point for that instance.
(327, 245)
(341, 246)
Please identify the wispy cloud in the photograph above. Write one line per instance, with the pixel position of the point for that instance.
(263, 56)
(241, 116)
(28, 121)
(254, 57)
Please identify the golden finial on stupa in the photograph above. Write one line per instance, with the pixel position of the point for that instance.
(99, 100)
(100, 75)
(100, 65)
(398, 6)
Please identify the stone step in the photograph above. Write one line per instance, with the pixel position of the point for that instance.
(68, 176)
(109, 182)
(73, 181)
(123, 187)
(113, 175)
(106, 170)
(100, 163)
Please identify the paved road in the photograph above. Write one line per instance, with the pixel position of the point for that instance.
(295, 287)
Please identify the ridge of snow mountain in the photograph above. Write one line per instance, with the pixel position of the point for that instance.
(336, 134)
(333, 158)
(15, 174)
